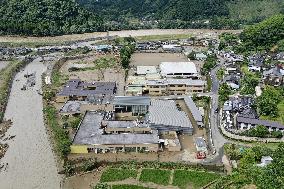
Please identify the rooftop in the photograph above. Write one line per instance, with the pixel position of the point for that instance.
(76, 87)
(165, 112)
(132, 100)
(193, 109)
(259, 122)
(188, 82)
(178, 67)
(143, 70)
(90, 133)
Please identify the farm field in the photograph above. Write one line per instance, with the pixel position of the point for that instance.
(118, 174)
(144, 178)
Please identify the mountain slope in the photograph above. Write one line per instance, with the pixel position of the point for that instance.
(45, 17)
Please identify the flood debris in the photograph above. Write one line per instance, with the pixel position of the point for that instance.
(4, 126)
(3, 149)
(31, 80)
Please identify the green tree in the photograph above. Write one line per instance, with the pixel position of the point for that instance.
(249, 82)
(268, 101)
(224, 92)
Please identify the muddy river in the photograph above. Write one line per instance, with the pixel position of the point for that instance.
(3, 64)
(30, 162)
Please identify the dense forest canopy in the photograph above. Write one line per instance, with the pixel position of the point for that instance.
(265, 34)
(57, 17)
(245, 10)
(45, 17)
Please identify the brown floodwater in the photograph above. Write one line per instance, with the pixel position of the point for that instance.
(30, 161)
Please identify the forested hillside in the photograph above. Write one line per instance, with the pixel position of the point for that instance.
(185, 13)
(45, 17)
(57, 17)
(265, 34)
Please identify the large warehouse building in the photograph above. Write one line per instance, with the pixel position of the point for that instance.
(178, 69)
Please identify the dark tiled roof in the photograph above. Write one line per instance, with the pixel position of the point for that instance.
(259, 122)
(78, 88)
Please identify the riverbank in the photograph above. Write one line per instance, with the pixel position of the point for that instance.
(29, 158)
(124, 33)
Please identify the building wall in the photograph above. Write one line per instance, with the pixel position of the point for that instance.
(79, 149)
(174, 89)
(62, 99)
(83, 149)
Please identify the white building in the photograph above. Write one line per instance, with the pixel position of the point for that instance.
(178, 69)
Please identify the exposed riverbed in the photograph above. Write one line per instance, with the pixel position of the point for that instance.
(29, 161)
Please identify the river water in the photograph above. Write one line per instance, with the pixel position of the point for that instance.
(31, 162)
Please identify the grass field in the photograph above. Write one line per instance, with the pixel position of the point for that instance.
(128, 187)
(183, 178)
(156, 176)
(118, 174)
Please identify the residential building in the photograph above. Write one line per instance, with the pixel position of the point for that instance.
(244, 123)
(172, 48)
(200, 56)
(274, 76)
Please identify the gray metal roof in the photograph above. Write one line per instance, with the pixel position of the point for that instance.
(90, 133)
(78, 88)
(259, 122)
(193, 109)
(132, 100)
(165, 112)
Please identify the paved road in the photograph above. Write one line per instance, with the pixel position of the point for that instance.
(218, 139)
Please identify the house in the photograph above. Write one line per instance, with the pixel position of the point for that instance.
(256, 63)
(232, 69)
(200, 56)
(172, 48)
(233, 81)
(178, 69)
(274, 76)
(244, 123)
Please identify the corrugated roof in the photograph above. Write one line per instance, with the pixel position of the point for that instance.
(132, 100)
(193, 109)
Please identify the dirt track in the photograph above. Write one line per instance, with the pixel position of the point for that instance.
(125, 33)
